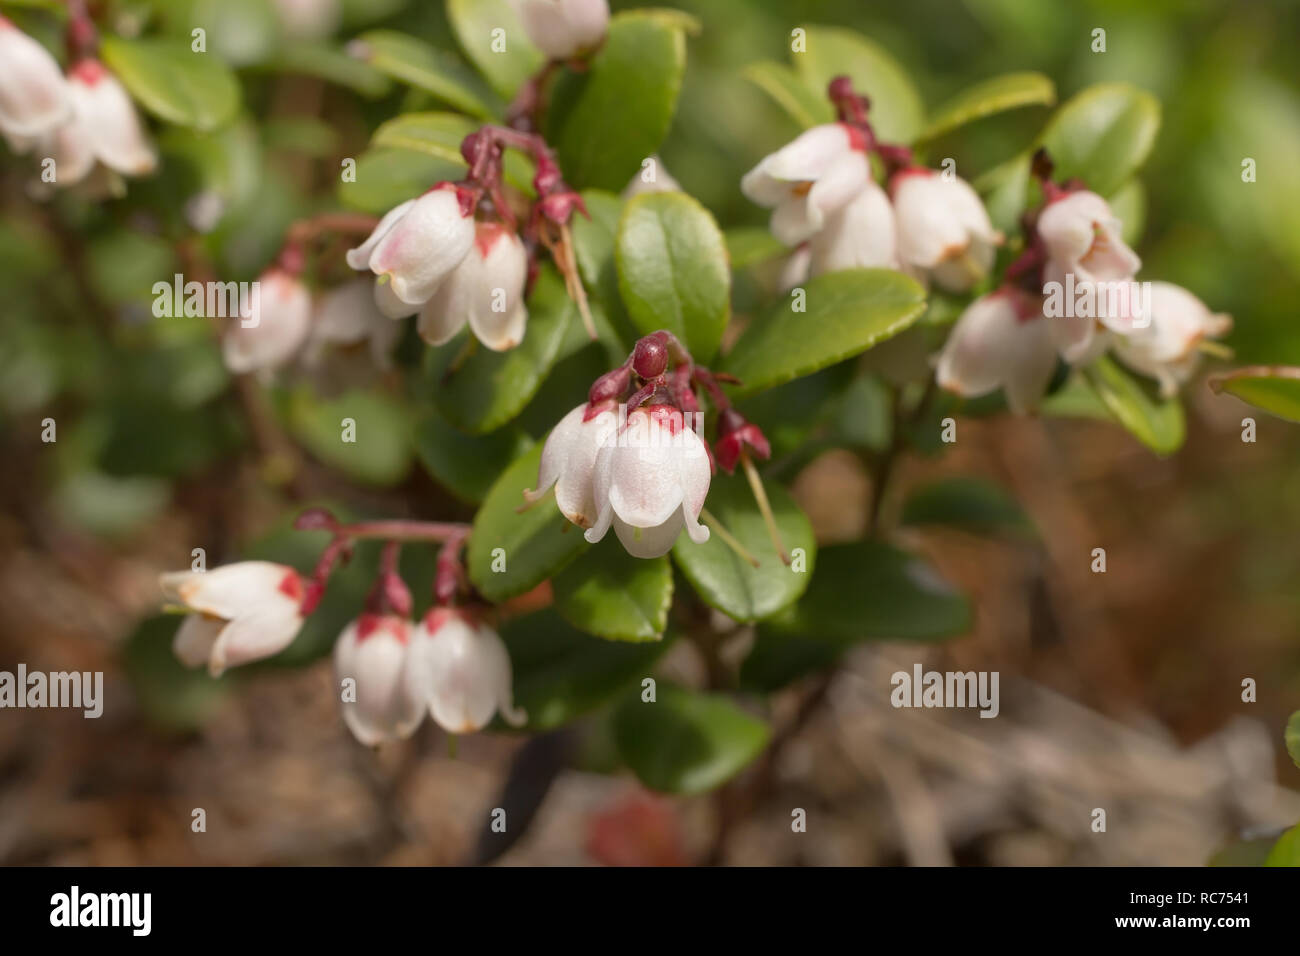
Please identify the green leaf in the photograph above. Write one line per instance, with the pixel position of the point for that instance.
(420, 65)
(1103, 135)
(466, 465)
(387, 177)
(174, 84)
(474, 22)
(1251, 852)
(534, 545)
(439, 135)
(1286, 851)
(333, 65)
(1274, 388)
(998, 94)
(1158, 424)
(897, 113)
(561, 673)
(481, 393)
(970, 504)
(613, 595)
(608, 119)
(1129, 204)
(749, 245)
(593, 247)
(379, 455)
(727, 581)
(846, 313)
(170, 695)
(672, 270)
(1293, 738)
(686, 742)
(791, 93)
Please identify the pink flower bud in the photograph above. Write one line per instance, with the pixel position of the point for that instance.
(459, 668)
(374, 651)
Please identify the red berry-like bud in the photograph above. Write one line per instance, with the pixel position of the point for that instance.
(650, 357)
(840, 88)
(610, 387)
(735, 434)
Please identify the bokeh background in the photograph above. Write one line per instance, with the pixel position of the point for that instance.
(1120, 691)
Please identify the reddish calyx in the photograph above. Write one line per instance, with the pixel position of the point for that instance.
(735, 435)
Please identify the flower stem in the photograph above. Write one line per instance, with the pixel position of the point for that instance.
(764, 506)
(728, 538)
(400, 529)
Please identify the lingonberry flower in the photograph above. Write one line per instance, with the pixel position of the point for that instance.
(564, 28)
(1082, 236)
(569, 458)
(944, 232)
(243, 612)
(104, 127)
(34, 97)
(271, 327)
(418, 243)
(459, 668)
(348, 316)
(650, 480)
(1166, 349)
(809, 179)
(1000, 341)
(860, 235)
(373, 651)
(486, 289)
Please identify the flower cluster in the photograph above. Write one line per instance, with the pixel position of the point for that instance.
(391, 670)
(84, 122)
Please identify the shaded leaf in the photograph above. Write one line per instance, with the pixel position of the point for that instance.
(609, 593)
(173, 83)
(1274, 388)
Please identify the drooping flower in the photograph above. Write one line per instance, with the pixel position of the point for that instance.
(809, 179)
(1000, 341)
(373, 651)
(564, 28)
(418, 243)
(34, 97)
(459, 668)
(349, 315)
(271, 327)
(486, 289)
(1166, 349)
(860, 235)
(243, 612)
(1082, 236)
(944, 232)
(650, 480)
(569, 459)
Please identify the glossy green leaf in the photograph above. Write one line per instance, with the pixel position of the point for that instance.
(1286, 851)
(533, 545)
(1274, 388)
(439, 135)
(1103, 135)
(561, 673)
(749, 245)
(609, 593)
(686, 742)
(475, 23)
(897, 113)
(173, 83)
(1129, 204)
(466, 465)
(605, 121)
(1157, 423)
(1292, 737)
(727, 581)
(789, 91)
(593, 247)
(672, 270)
(388, 177)
(845, 313)
(380, 453)
(481, 393)
(970, 504)
(996, 95)
(416, 63)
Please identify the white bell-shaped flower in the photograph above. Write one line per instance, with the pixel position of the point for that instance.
(105, 125)
(244, 612)
(34, 97)
(944, 232)
(1166, 350)
(809, 179)
(373, 652)
(860, 235)
(569, 459)
(650, 481)
(271, 326)
(486, 289)
(459, 668)
(349, 316)
(1000, 341)
(564, 28)
(418, 243)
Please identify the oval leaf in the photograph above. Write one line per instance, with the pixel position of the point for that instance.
(672, 270)
(424, 67)
(439, 135)
(476, 23)
(685, 742)
(613, 595)
(387, 177)
(1156, 423)
(791, 93)
(1103, 135)
(1007, 92)
(727, 581)
(363, 434)
(466, 465)
(970, 504)
(331, 64)
(845, 313)
(1274, 388)
(173, 83)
